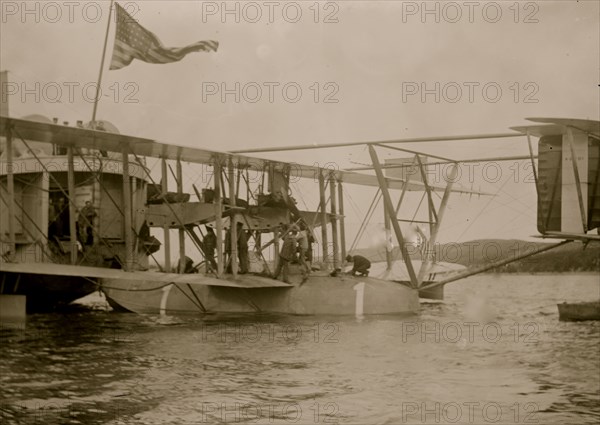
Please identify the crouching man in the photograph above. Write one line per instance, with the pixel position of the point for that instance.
(361, 265)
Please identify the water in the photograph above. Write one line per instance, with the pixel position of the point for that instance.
(493, 352)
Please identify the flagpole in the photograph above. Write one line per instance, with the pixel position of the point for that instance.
(96, 99)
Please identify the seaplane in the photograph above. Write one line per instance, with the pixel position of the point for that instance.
(47, 166)
(51, 172)
(78, 205)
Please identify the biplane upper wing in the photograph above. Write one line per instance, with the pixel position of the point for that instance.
(100, 140)
(587, 126)
(352, 177)
(557, 126)
(148, 276)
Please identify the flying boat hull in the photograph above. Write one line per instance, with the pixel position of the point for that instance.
(319, 295)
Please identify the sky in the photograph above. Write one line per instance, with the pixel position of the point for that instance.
(340, 71)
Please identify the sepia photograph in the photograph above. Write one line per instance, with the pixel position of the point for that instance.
(299, 212)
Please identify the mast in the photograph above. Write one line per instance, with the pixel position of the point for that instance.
(97, 98)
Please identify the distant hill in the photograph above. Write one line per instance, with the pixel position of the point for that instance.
(568, 258)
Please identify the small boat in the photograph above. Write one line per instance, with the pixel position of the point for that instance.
(570, 312)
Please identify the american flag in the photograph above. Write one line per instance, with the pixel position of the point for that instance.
(133, 41)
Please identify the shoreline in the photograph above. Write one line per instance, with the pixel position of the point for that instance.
(586, 273)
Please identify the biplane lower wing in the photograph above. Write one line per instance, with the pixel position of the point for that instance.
(196, 213)
(147, 276)
(568, 236)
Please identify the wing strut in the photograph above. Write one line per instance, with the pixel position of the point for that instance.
(389, 259)
(166, 231)
(233, 257)
(323, 207)
(404, 188)
(535, 176)
(436, 227)
(389, 207)
(430, 207)
(127, 212)
(11, 194)
(577, 179)
(182, 230)
(342, 224)
(367, 218)
(334, 221)
(168, 204)
(72, 207)
(491, 266)
(217, 168)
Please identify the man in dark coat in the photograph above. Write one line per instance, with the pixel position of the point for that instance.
(86, 223)
(287, 254)
(242, 246)
(210, 244)
(361, 265)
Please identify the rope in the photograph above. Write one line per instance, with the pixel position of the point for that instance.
(130, 290)
(483, 209)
